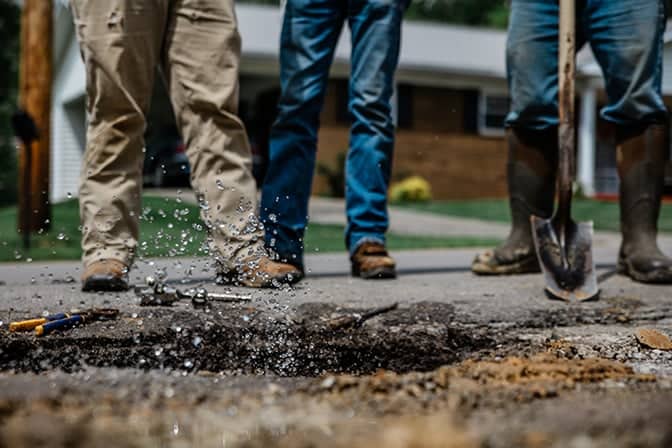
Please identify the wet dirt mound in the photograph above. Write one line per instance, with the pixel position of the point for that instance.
(248, 340)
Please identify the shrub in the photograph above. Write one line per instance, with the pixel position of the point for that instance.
(411, 189)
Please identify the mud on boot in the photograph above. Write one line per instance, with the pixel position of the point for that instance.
(261, 272)
(641, 161)
(506, 260)
(531, 178)
(372, 261)
(105, 275)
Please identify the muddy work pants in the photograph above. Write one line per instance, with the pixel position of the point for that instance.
(626, 37)
(197, 46)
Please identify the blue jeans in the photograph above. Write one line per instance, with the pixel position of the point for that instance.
(626, 37)
(310, 33)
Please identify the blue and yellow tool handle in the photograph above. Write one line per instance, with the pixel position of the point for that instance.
(31, 324)
(61, 324)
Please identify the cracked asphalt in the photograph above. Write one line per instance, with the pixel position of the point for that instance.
(262, 373)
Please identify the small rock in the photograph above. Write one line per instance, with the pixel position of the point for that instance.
(653, 339)
(328, 382)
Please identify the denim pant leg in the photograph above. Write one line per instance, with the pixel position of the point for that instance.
(627, 39)
(309, 36)
(532, 64)
(376, 32)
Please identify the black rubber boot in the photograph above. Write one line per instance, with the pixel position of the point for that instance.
(531, 171)
(642, 154)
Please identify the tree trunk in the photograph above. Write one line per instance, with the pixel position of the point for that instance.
(35, 98)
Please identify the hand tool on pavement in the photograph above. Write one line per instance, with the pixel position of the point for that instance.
(563, 246)
(156, 293)
(30, 324)
(355, 320)
(63, 321)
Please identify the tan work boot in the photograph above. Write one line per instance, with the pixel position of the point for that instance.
(371, 261)
(261, 272)
(105, 275)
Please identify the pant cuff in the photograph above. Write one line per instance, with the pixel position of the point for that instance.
(366, 239)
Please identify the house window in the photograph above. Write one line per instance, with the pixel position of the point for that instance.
(493, 108)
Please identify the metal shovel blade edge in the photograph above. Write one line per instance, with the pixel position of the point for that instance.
(570, 278)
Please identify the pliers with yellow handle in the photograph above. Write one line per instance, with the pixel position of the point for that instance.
(63, 321)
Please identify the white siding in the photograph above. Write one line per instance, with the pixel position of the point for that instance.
(68, 121)
(667, 69)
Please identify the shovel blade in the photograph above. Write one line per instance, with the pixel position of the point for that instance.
(566, 260)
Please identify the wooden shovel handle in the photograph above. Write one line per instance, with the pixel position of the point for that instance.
(566, 128)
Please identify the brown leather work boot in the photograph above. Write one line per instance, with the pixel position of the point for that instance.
(105, 275)
(371, 261)
(642, 154)
(261, 273)
(531, 173)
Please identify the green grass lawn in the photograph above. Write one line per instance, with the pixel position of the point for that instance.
(169, 228)
(604, 214)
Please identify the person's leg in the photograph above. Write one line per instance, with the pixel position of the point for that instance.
(376, 33)
(310, 33)
(120, 42)
(532, 66)
(202, 54)
(627, 39)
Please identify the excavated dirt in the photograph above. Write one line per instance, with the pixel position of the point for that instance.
(475, 403)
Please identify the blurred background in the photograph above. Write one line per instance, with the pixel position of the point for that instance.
(449, 104)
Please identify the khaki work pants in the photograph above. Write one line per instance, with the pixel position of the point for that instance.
(197, 46)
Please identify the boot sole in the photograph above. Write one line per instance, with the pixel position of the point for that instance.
(655, 277)
(104, 283)
(526, 266)
(381, 273)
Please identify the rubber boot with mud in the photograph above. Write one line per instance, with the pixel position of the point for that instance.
(642, 155)
(531, 171)
(105, 275)
(261, 272)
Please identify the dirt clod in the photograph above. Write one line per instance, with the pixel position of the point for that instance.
(653, 339)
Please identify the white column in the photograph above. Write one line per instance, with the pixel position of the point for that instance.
(395, 104)
(587, 135)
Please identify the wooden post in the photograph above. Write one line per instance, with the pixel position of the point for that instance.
(35, 74)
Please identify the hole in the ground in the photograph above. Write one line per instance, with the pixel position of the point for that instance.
(422, 336)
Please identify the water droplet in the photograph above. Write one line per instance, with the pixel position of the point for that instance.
(188, 364)
(69, 195)
(61, 236)
(196, 342)
(176, 429)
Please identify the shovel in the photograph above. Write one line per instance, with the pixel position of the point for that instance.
(564, 247)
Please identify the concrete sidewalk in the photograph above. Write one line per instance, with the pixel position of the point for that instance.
(405, 221)
(402, 221)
